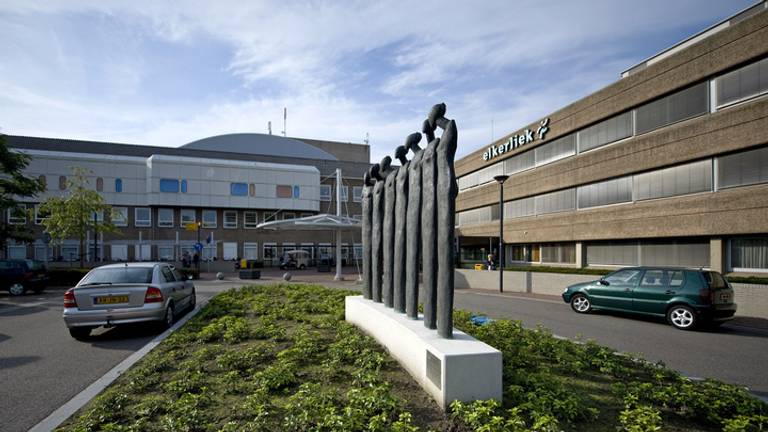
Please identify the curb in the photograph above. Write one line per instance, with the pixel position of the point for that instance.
(65, 411)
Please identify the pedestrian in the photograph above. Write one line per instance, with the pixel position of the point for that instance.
(490, 261)
(196, 259)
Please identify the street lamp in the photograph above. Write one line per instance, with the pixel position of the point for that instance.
(501, 179)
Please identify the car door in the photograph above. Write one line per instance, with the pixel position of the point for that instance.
(615, 289)
(185, 285)
(655, 290)
(171, 285)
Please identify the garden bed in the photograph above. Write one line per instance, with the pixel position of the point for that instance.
(281, 357)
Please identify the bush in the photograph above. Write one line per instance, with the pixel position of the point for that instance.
(66, 277)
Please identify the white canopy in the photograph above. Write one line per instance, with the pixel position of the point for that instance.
(321, 222)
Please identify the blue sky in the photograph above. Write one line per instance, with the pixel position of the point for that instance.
(167, 73)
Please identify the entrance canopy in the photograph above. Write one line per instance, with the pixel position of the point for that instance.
(321, 222)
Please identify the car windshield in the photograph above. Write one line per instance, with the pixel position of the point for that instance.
(117, 275)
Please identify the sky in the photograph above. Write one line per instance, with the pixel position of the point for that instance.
(167, 73)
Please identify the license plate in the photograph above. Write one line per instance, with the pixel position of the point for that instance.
(112, 300)
(725, 298)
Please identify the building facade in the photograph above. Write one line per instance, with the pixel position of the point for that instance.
(666, 166)
(228, 183)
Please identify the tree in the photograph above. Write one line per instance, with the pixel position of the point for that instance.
(72, 215)
(14, 185)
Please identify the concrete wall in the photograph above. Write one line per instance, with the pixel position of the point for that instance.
(752, 299)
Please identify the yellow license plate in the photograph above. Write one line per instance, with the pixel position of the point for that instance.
(112, 300)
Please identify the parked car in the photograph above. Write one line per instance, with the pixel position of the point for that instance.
(18, 276)
(686, 297)
(297, 259)
(127, 293)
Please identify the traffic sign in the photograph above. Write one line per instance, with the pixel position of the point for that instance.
(191, 226)
(199, 247)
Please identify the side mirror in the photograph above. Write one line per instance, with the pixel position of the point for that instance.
(603, 282)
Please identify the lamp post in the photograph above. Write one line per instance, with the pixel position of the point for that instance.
(199, 253)
(501, 179)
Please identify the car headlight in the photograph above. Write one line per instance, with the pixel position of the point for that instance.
(565, 290)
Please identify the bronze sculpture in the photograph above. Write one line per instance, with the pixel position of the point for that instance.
(377, 222)
(368, 183)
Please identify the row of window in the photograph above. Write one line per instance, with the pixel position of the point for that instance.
(326, 193)
(738, 169)
(742, 84)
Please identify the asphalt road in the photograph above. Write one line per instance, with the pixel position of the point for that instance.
(42, 367)
(732, 353)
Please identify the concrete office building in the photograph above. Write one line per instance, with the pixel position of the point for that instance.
(230, 183)
(666, 166)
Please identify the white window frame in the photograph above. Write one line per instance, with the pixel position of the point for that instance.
(224, 246)
(270, 245)
(327, 197)
(13, 248)
(251, 245)
(357, 194)
(182, 212)
(207, 224)
(122, 211)
(17, 221)
(225, 223)
(165, 223)
(142, 223)
(246, 225)
(345, 193)
(38, 220)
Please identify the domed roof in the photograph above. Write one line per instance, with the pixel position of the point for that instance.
(260, 144)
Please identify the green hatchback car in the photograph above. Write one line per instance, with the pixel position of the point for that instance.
(686, 297)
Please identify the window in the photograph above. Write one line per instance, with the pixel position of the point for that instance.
(749, 254)
(120, 216)
(229, 251)
(358, 217)
(520, 208)
(673, 181)
(142, 217)
(476, 216)
(270, 252)
(289, 215)
(250, 251)
(238, 189)
(683, 253)
(607, 131)
(296, 191)
(70, 252)
(628, 276)
(357, 193)
(613, 253)
(607, 192)
(165, 217)
(325, 192)
(43, 181)
(344, 193)
(653, 279)
(252, 189)
(564, 253)
(187, 216)
(676, 279)
(62, 183)
(209, 218)
(169, 185)
(17, 250)
(682, 105)
(40, 215)
(99, 184)
(43, 252)
(119, 252)
(17, 216)
(165, 253)
(98, 216)
(284, 191)
(184, 186)
(521, 162)
(523, 253)
(555, 150)
(230, 219)
(118, 185)
(167, 274)
(744, 83)
(745, 168)
(250, 219)
(554, 202)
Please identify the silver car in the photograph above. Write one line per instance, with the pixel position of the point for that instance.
(127, 293)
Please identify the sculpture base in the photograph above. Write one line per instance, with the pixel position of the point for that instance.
(461, 368)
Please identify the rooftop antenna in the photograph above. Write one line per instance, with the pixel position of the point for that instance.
(367, 139)
(285, 119)
(269, 127)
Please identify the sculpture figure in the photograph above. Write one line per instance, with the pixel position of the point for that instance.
(401, 224)
(377, 223)
(388, 239)
(413, 239)
(428, 221)
(447, 189)
(368, 183)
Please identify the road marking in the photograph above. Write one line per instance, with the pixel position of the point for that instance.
(65, 411)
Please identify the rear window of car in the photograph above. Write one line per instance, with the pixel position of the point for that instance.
(715, 280)
(117, 275)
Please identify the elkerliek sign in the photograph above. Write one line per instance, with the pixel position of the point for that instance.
(517, 140)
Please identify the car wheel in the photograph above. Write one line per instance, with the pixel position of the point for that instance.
(16, 289)
(581, 304)
(80, 333)
(302, 267)
(170, 318)
(681, 317)
(192, 301)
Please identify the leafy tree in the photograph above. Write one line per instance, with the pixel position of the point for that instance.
(71, 216)
(14, 185)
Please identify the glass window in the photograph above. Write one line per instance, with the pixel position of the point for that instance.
(520, 208)
(238, 189)
(167, 274)
(296, 191)
(184, 186)
(118, 185)
(607, 131)
(99, 184)
(270, 252)
(165, 217)
(251, 189)
(607, 192)
(487, 174)
(209, 218)
(187, 216)
(683, 253)
(98, 216)
(745, 168)
(521, 162)
(120, 216)
(475, 216)
(676, 279)
(289, 215)
(678, 180)
(70, 252)
(555, 150)
(344, 193)
(17, 250)
(116, 275)
(563, 253)
(250, 219)
(325, 192)
(142, 217)
(169, 185)
(682, 105)
(627, 276)
(749, 254)
(43, 252)
(744, 83)
(613, 253)
(40, 215)
(17, 216)
(43, 181)
(653, 279)
(283, 191)
(165, 252)
(230, 219)
(62, 183)
(523, 253)
(357, 193)
(564, 200)
(251, 251)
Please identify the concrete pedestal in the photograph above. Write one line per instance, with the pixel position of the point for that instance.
(461, 368)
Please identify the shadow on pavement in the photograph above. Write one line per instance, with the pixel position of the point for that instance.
(12, 362)
(21, 310)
